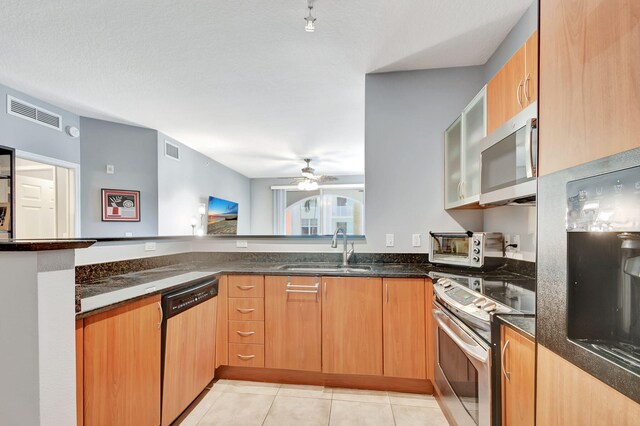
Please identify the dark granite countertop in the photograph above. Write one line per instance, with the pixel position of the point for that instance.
(44, 245)
(526, 325)
(109, 284)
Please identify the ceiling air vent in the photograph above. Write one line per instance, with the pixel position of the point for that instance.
(171, 150)
(30, 112)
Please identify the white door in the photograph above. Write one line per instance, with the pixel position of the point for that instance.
(35, 208)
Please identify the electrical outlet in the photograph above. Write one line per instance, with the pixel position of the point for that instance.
(507, 239)
(389, 240)
(516, 240)
(149, 246)
(242, 244)
(416, 240)
(111, 169)
(128, 234)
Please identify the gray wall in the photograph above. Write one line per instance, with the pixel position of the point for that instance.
(31, 137)
(184, 185)
(406, 114)
(262, 201)
(527, 24)
(133, 152)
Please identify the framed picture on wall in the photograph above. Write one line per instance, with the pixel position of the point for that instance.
(222, 217)
(119, 205)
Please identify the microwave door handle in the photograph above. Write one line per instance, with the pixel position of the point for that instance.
(475, 352)
(530, 145)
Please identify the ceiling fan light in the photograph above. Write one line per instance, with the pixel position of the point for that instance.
(313, 186)
(310, 25)
(302, 186)
(308, 175)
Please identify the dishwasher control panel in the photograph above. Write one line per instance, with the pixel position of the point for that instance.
(183, 299)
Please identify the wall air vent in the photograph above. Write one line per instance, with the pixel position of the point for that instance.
(30, 112)
(171, 150)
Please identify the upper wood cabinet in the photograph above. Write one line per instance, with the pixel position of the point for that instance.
(518, 358)
(352, 325)
(462, 154)
(293, 323)
(515, 86)
(589, 81)
(122, 365)
(404, 326)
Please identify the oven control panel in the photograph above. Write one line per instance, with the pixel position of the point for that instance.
(467, 301)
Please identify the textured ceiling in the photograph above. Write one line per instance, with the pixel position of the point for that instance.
(240, 81)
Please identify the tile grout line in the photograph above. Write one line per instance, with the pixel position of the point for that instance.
(271, 406)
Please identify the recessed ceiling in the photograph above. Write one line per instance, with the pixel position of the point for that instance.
(240, 81)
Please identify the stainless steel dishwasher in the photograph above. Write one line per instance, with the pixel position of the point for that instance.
(188, 345)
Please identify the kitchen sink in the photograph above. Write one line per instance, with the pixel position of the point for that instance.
(320, 267)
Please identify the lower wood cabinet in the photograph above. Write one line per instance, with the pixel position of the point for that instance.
(518, 356)
(430, 329)
(404, 328)
(293, 323)
(188, 364)
(570, 396)
(121, 365)
(352, 325)
(246, 355)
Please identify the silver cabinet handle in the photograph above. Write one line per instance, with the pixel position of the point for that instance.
(386, 286)
(518, 90)
(506, 373)
(246, 287)
(472, 349)
(245, 310)
(312, 288)
(161, 314)
(246, 356)
(462, 190)
(459, 190)
(246, 333)
(526, 87)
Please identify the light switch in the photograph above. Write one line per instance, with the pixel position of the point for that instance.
(416, 240)
(389, 240)
(111, 169)
(242, 244)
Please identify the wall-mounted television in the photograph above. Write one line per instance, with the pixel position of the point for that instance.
(222, 217)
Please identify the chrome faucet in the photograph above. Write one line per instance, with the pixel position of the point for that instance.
(346, 254)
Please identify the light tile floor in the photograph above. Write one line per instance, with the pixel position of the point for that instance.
(238, 403)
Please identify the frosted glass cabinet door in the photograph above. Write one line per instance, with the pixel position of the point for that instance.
(453, 163)
(474, 129)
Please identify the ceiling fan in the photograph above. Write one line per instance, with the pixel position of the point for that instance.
(309, 180)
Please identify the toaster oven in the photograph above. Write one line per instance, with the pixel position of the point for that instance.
(472, 249)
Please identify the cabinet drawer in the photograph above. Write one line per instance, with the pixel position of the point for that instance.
(246, 309)
(246, 355)
(246, 286)
(246, 332)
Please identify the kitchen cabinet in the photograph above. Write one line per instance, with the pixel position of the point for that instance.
(352, 325)
(293, 314)
(222, 330)
(188, 364)
(462, 154)
(430, 329)
(246, 286)
(245, 321)
(515, 86)
(121, 365)
(404, 334)
(79, 372)
(589, 77)
(567, 395)
(518, 359)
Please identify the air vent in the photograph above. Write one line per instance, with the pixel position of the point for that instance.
(30, 112)
(171, 150)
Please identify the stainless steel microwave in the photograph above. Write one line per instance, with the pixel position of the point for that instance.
(474, 249)
(509, 160)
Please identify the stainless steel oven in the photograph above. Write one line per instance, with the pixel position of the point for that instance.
(463, 369)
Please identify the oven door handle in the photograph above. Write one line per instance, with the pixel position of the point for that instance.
(475, 351)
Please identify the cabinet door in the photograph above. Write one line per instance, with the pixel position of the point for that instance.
(518, 378)
(404, 328)
(79, 372)
(505, 92)
(293, 323)
(352, 325)
(222, 336)
(430, 329)
(189, 361)
(531, 63)
(453, 163)
(589, 79)
(474, 129)
(122, 365)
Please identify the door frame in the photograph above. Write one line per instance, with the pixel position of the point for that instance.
(24, 155)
